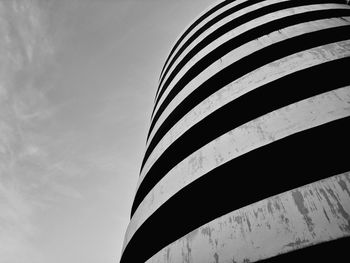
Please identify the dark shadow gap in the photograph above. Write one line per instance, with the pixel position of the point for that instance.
(228, 27)
(248, 64)
(283, 165)
(193, 25)
(200, 31)
(267, 98)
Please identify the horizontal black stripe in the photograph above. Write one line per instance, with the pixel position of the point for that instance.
(206, 61)
(201, 30)
(285, 164)
(271, 96)
(193, 25)
(241, 39)
(248, 64)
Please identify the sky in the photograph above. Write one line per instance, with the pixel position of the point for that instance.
(77, 83)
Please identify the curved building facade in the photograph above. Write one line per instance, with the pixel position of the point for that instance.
(247, 155)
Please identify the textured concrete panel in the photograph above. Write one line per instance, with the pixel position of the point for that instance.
(256, 112)
(305, 216)
(276, 125)
(201, 24)
(238, 53)
(219, 24)
(250, 81)
(246, 49)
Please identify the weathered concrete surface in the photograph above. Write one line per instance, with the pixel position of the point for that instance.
(298, 218)
(292, 220)
(241, 86)
(202, 23)
(218, 24)
(235, 55)
(248, 48)
(237, 31)
(266, 129)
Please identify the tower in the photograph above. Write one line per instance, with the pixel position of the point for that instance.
(246, 156)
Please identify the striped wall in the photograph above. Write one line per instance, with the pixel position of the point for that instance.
(247, 153)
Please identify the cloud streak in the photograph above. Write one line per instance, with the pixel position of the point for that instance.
(26, 52)
(75, 93)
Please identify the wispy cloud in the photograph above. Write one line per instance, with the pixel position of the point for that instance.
(26, 54)
(16, 227)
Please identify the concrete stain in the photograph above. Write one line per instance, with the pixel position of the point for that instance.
(206, 231)
(318, 195)
(168, 254)
(341, 211)
(323, 192)
(183, 255)
(261, 132)
(269, 207)
(249, 225)
(325, 213)
(297, 243)
(284, 219)
(238, 219)
(216, 257)
(343, 186)
(276, 205)
(347, 177)
(196, 163)
(299, 202)
(219, 159)
(188, 248)
(186, 256)
(260, 210)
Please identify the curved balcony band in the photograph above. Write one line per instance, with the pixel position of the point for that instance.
(250, 9)
(259, 10)
(245, 157)
(237, 5)
(221, 51)
(192, 27)
(238, 69)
